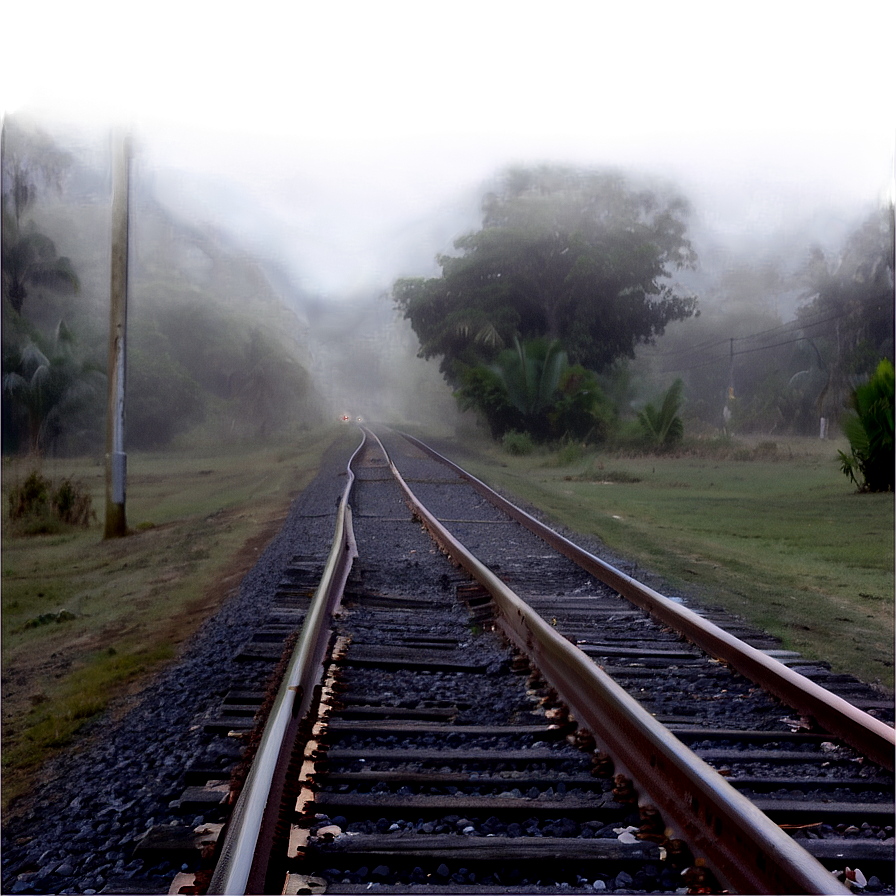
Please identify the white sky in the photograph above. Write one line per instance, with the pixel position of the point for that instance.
(395, 105)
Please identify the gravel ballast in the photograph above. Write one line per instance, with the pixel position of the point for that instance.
(76, 832)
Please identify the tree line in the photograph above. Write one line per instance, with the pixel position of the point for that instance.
(548, 320)
(210, 347)
(561, 318)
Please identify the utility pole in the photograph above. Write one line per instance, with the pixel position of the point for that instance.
(731, 372)
(116, 459)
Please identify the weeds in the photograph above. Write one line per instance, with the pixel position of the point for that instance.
(599, 474)
(47, 618)
(73, 505)
(31, 498)
(40, 509)
(571, 453)
(518, 443)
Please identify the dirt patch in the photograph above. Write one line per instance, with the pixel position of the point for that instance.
(227, 582)
(180, 628)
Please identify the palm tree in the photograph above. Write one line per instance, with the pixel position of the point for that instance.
(44, 389)
(30, 160)
(531, 374)
(30, 260)
(870, 432)
(30, 154)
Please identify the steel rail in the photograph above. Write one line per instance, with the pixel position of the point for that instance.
(745, 849)
(250, 835)
(868, 735)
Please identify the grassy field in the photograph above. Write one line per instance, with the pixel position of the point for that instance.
(84, 620)
(771, 531)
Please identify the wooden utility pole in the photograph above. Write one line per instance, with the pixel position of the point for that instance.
(116, 459)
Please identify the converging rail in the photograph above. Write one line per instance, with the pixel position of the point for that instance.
(251, 834)
(746, 851)
(868, 735)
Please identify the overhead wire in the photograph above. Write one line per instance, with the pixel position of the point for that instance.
(790, 326)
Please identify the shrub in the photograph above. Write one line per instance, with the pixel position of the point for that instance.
(570, 453)
(481, 389)
(72, 504)
(31, 498)
(517, 443)
(41, 509)
(662, 427)
(870, 463)
(581, 410)
(47, 618)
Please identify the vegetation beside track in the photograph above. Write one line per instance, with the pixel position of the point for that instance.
(84, 621)
(769, 530)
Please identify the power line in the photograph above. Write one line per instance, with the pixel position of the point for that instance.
(806, 322)
(798, 324)
(743, 351)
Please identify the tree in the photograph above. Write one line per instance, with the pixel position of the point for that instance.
(48, 389)
(848, 315)
(30, 160)
(30, 155)
(874, 244)
(30, 260)
(874, 247)
(582, 257)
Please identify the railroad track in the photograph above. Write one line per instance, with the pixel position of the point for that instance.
(535, 722)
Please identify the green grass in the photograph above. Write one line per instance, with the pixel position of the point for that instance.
(83, 619)
(770, 531)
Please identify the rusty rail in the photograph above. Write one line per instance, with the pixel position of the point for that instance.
(251, 832)
(745, 849)
(870, 736)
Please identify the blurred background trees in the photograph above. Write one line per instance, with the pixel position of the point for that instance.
(213, 351)
(585, 262)
(566, 316)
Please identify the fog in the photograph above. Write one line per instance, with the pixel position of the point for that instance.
(348, 144)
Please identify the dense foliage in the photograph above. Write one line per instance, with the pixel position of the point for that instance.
(570, 267)
(870, 464)
(37, 506)
(532, 389)
(851, 297)
(578, 256)
(30, 162)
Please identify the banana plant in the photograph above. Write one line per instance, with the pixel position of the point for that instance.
(663, 427)
(531, 374)
(870, 432)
